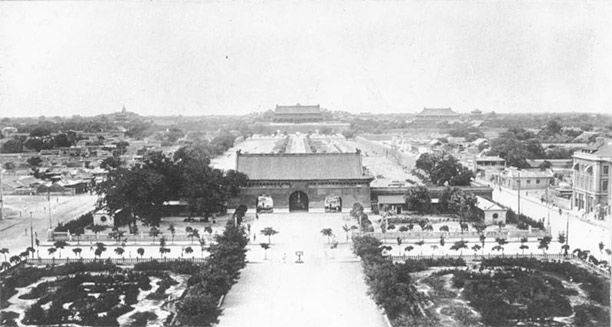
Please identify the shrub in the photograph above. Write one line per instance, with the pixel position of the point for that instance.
(76, 225)
(214, 278)
(140, 319)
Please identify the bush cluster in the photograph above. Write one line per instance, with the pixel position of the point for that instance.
(76, 226)
(199, 305)
(390, 285)
(522, 221)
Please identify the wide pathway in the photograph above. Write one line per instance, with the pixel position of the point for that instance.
(15, 232)
(326, 290)
(582, 234)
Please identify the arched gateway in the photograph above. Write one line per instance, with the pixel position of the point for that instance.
(298, 201)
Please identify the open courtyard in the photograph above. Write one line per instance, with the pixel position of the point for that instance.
(327, 289)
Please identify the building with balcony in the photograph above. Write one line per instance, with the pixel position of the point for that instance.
(591, 175)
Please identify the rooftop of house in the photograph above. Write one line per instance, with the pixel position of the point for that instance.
(527, 173)
(485, 204)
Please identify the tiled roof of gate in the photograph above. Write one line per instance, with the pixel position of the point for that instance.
(308, 166)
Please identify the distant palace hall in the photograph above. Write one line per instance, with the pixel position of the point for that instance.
(297, 114)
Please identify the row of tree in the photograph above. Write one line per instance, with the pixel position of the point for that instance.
(199, 306)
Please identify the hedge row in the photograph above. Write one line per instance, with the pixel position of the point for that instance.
(199, 305)
(76, 226)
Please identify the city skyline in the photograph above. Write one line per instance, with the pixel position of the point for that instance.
(192, 59)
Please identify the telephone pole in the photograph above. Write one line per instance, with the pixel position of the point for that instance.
(1, 196)
(518, 181)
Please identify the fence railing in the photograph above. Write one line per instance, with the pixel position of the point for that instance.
(419, 235)
(477, 257)
(106, 237)
(118, 261)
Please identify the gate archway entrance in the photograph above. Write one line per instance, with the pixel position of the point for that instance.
(298, 201)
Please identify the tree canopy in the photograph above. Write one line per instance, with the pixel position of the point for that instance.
(144, 187)
(444, 169)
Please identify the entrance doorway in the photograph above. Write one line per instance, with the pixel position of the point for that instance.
(333, 203)
(298, 201)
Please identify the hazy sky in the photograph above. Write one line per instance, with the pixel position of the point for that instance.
(193, 57)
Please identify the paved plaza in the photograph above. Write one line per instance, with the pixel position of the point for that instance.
(326, 290)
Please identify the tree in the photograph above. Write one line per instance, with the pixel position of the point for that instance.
(459, 246)
(60, 245)
(100, 248)
(154, 232)
(265, 246)
(444, 169)
(269, 231)
(476, 247)
(409, 248)
(111, 163)
(552, 127)
(9, 165)
(523, 247)
(464, 204)
(193, 233)
(500, 244)
(328, 233)
(140, 252)
(418, 199)
(52, 251)
(202, 244)
(198, 309)
(482, 238)
(12, 146)
(444, 228)
(34, 161)
(172, 230)
(189, 250)
(420, 244)
(565, 248)
(544, 242)
(77, 251)
(120, 251)
(601, 246)
(561, 238)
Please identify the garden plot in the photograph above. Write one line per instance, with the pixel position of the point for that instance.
(508, 296)
(96, 298)
(152, 307)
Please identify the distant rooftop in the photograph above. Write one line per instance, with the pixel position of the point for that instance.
(437, 112)
(298, 109)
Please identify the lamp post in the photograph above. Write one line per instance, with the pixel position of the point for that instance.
(31, 233)
(518, 182)
(548, 205)
(1, 196)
